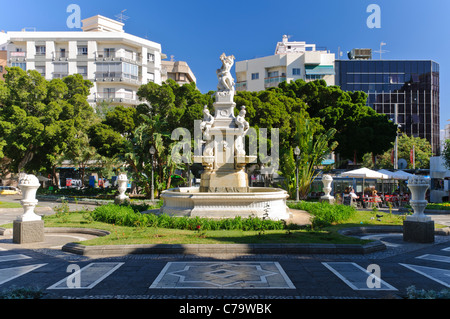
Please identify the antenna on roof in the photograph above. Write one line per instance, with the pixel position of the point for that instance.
(121, 17)
(381, 51)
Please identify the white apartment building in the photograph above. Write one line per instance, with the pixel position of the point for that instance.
(116, 62)
(292, 61)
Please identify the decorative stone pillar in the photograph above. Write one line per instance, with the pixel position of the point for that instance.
(326, 180)
(29, 227)
(418, 227)
(122, 181)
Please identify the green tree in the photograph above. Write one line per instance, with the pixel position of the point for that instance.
(359, 129)
(422, 148)
(39, 119)
(128, 133)
(446, 154)
(315, 146)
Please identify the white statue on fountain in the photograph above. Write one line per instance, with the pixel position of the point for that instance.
(243, 127)
(226, 81)
(205, 126)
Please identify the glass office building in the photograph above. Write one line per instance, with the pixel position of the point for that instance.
(411, 85)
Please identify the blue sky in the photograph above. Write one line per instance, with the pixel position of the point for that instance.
(198, 31)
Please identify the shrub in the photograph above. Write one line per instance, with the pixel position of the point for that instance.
(127, 216)
(325, 214)
(413, 293)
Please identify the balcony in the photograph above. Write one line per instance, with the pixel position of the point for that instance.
(273, 81)
(111, 56)
(126, 98)
(117, 77)
(17, 56)
(60, 56)
(60, 75)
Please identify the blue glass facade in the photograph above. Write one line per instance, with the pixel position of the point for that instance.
(412, 85)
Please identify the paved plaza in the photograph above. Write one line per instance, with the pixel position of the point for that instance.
(383, 274)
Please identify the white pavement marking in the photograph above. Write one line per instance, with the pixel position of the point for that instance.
(441, 276)
(446, 249)
(89, 276)
(355, 276)
(14, 257)
(444, 259)
(8, 274)
(222, 275)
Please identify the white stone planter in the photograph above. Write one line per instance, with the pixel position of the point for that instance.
(326, 180)
(418, 186)
(122, 181)
(29, 184)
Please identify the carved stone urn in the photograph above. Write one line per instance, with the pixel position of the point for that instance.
(29, 185)
(418, 227)
(28, 228)
(122, 182)
(327, 180)
(418, 186)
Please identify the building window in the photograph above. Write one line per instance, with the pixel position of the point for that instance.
(107, 70)
(150, 57)
(272, 74)
(41, 70)
(40, 50)
(151, 77)
(296, 71)
(130, 71)
(255, 76)
(21, 65)
(82, 70)
(61, 70)
(314, 77)
(1, 68)
(110, 53)
(109, 93)
(82, 50)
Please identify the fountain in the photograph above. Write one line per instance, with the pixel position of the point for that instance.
(224, 190)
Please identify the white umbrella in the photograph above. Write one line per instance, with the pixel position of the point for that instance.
(403, 175)
(386, 172)
(365, 173)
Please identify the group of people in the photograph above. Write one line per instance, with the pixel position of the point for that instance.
(350, 192)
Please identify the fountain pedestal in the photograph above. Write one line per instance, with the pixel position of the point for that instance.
(418, 227)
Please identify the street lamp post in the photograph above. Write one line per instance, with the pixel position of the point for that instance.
(297, 154)
(152, 195)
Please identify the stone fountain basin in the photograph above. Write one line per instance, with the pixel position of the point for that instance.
(258, 202)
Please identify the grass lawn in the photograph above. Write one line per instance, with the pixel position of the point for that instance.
(10, 205)
(122, 235)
